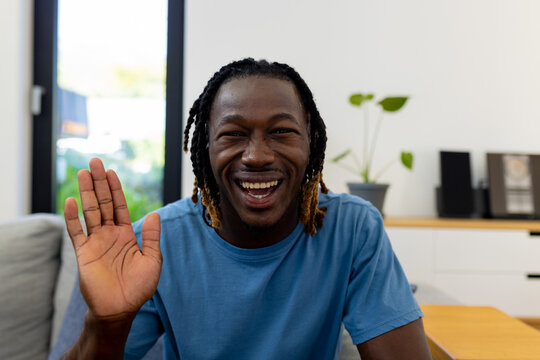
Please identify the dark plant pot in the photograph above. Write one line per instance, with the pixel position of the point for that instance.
(374, 193)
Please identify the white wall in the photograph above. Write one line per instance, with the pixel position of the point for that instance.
(15, 121)
(472, 69)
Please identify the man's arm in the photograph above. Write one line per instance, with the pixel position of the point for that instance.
(101, 338)
(405, 342)
(116, 276)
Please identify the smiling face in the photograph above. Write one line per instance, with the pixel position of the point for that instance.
(259, 151)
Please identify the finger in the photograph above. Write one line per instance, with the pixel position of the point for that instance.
(73, 224)
(150, 233)
(90, 206)
(121, 211)
(103, 192)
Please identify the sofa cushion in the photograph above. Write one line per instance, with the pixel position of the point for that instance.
(29, 261)
(65, 282)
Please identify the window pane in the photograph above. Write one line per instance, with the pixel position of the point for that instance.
(111, 79)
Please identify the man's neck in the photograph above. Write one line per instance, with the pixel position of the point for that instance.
(237, 233)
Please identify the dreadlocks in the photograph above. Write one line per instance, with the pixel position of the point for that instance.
(199, 115)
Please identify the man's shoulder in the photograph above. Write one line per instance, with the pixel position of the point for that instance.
(183, 210)
(342, 201)
(345, 211)
(179, 209)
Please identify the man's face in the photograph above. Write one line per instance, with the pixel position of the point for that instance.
(259, 150)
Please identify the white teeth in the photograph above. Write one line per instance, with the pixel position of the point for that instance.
(265, 185)
(258, 196)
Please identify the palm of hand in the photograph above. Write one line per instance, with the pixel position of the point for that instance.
(116, 277)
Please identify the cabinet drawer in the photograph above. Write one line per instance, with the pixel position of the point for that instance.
(501, 251)
(414, 249)
(514, 294)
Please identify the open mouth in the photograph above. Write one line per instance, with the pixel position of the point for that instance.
(259, 190)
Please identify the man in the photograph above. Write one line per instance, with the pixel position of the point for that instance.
(258, 264)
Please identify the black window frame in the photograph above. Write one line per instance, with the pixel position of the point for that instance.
(44, 131)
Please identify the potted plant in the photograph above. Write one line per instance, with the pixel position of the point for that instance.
(369, 188)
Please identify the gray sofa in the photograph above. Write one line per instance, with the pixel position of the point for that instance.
(37, 276)
(34, 290)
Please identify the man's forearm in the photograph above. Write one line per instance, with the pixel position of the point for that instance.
(101, 338)
(406, 342)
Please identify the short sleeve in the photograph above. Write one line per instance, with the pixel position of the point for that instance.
(379, 298)
(145, 331)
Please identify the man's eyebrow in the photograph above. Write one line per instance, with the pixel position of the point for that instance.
(235, 117)
(284, 116)
(228, 118)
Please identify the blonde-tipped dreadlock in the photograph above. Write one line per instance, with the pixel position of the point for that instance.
(212, 205)
(311, 216)
(199, 115)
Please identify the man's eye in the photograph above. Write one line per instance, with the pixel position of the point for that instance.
(232, 133)
(283, 131)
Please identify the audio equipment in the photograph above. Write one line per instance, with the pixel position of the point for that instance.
(514, 185)
(455, 198)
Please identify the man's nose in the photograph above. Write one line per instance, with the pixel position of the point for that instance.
(257, 153)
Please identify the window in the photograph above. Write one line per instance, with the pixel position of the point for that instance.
(109, 77)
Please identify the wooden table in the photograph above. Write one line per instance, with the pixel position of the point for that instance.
(478, 332)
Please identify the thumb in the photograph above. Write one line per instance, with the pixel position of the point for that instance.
(150, 233)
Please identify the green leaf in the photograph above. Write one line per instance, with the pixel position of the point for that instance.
(358, 99)
(407, 159)
(365, 175)
(392, 104)
(341, 156)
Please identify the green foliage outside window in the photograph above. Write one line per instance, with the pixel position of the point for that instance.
(142, 187)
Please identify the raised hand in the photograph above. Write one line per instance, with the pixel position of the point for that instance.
(115, 275)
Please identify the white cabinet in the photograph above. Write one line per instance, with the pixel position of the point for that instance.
(480, 250)
(512, 293)
(415, 250)
(474, 266)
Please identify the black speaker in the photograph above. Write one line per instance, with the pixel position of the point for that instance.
(456, 195)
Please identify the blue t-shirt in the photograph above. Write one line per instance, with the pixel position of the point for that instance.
(285, 301)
